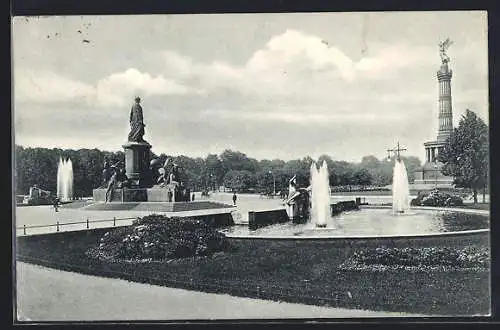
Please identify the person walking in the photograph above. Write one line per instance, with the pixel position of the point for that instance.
(234, 198)
(56, 204)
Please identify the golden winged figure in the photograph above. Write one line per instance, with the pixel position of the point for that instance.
(443, 47)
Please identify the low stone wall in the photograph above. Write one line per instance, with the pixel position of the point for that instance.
(135, 195)
(217, 220)
(159, 195)
(121, 195)
(99, 195)
(339, 207)
(196, 206)
(259, 219)
(472, 238)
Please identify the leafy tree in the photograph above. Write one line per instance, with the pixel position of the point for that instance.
(362, 177)
(35, 166)
(327, 159)
(465, 155)
(266, 165)
(191, 170)
(370, 162)
(299, 167)
(341, 173)
(213, 172)
(267, 180)
(264, 181)
(239, 181)
(237, 161)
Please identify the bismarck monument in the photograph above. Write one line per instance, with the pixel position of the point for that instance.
(138, 181)
(430, 176)
(142, 184)
(137, 150)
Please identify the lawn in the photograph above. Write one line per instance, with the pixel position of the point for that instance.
(478, 206)
(293, 271)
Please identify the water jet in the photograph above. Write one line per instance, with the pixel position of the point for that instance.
(65, 180)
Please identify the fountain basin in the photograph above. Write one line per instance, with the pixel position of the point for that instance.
(376, 223)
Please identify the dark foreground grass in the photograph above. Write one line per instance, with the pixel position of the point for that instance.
(292, 271)
(478, 206)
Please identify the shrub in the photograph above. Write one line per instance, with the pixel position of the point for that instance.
(436, 198)
(156, 238)
(423, 258)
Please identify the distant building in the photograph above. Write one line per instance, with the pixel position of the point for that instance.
(430, 176)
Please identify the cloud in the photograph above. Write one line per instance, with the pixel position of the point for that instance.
(295, 62)
(119, 88)
(296, 48)
(289, 63)
(388, 59)
(49, 87)
(302, 119)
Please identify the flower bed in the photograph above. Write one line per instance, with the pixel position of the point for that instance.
(417, 259)
(158, 238)
(437, 198)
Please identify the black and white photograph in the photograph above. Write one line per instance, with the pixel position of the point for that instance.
(251, 166)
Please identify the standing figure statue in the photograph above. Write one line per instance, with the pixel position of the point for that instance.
(136, 122)
(443, 47)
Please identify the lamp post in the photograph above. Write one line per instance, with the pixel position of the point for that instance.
(212, 187)
(435, 175)
(396, 151)
(274, 182)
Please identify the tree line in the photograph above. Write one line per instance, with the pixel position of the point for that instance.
(465, 157)
(231, 169)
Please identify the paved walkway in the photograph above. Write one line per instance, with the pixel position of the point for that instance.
(45, 215)
(45, 294)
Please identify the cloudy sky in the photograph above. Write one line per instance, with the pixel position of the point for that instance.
(270, 85)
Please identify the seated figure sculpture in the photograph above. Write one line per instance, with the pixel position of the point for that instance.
(111, 186)
(106, 173)
(298, 202)
(118, 180)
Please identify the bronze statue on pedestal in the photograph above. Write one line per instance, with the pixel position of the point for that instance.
(136, 122)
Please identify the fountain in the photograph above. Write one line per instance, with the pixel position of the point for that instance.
(400, 189)
(65, 180)
(345, 219)
(320, 195)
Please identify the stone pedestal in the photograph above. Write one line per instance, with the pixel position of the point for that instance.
(137, 163)
(430, 177)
